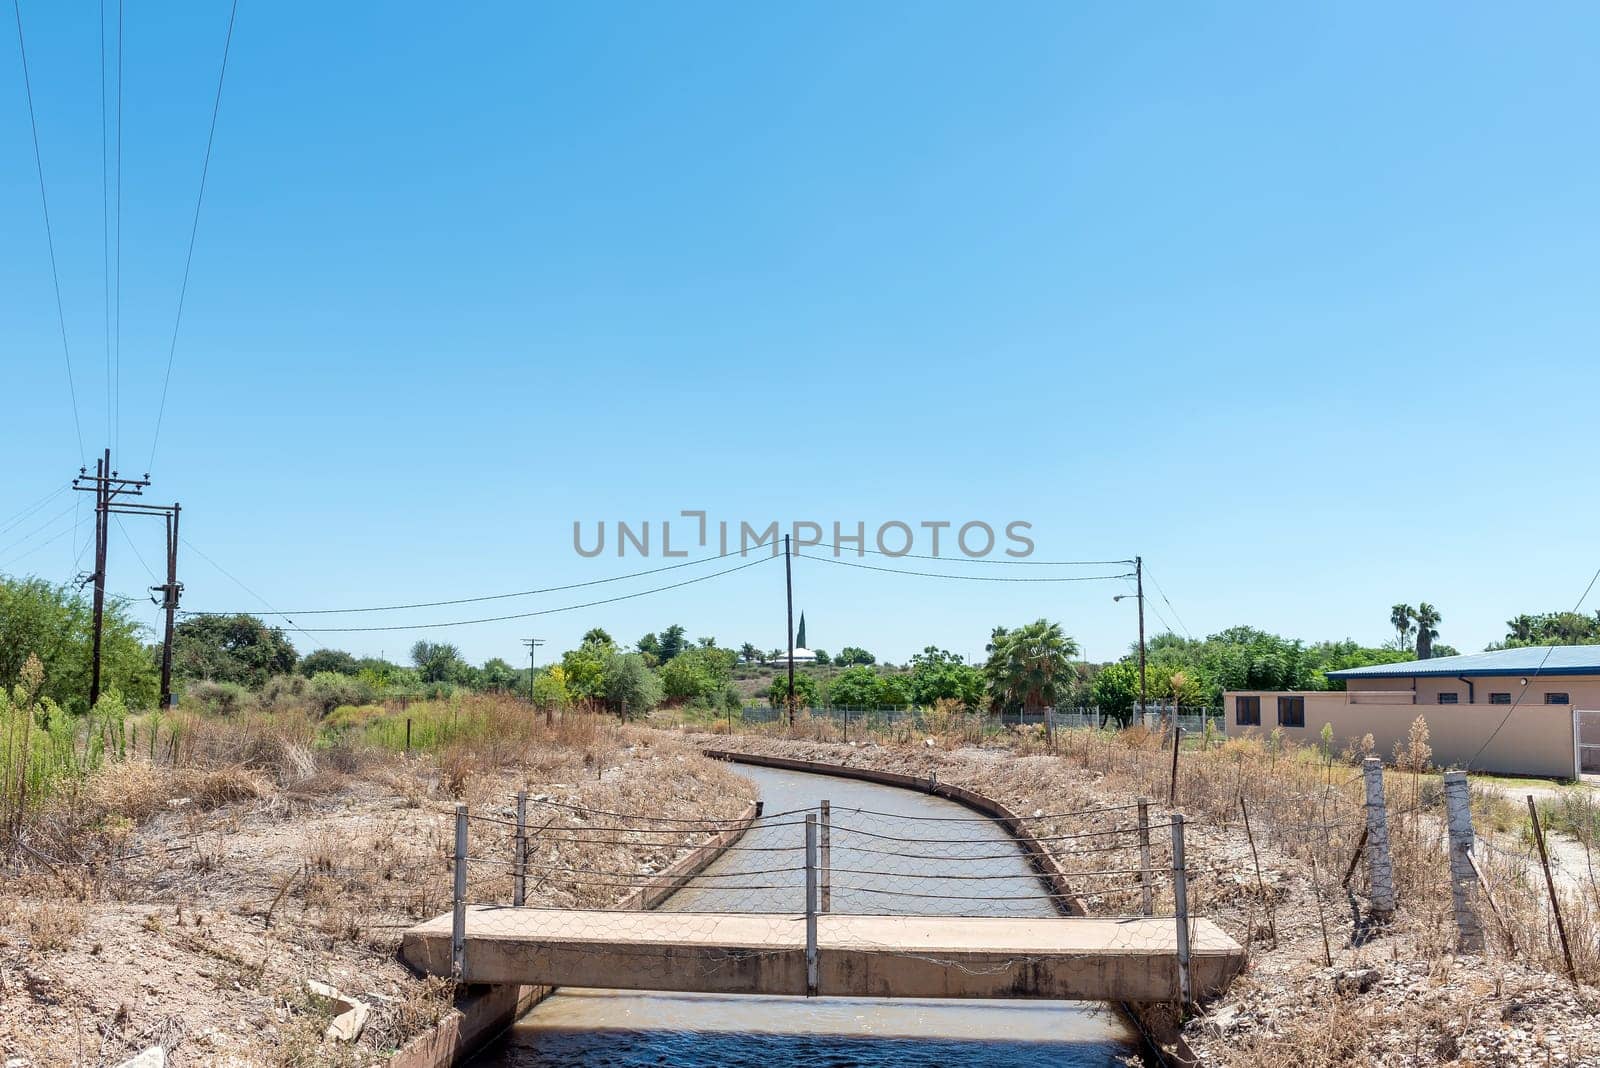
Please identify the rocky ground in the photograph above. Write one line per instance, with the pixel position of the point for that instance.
(1394, 994)
(205, 938)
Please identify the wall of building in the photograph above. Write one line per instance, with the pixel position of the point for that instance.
(1583, 690)
(1536, 739)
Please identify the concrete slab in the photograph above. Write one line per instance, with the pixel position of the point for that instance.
(1067, 958)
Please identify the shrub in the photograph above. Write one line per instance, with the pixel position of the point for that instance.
(329, 689)
(285, 693)
(219, 698)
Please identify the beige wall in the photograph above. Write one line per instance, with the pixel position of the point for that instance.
(1584, 690)
(1536, 739)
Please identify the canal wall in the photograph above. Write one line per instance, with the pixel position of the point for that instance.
(483, 1013)
(1177, 1054)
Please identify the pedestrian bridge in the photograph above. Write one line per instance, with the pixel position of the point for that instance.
(1069, 958)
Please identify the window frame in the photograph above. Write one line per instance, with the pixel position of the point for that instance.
(1448, 697)
(1240, 703)
(1501, 698)
(1566, 697)
(1295, 702)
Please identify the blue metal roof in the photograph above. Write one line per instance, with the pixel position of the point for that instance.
(1534, 659)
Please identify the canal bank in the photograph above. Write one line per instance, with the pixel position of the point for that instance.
(610, 1028)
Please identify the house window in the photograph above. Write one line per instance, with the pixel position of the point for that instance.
(1292, 711)
(1499, 699)
(1556, 699)
(1451, 698)
(1247, 711)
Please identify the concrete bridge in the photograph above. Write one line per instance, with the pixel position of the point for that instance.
(1068, 958)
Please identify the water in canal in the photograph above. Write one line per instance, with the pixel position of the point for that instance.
(627, 1029)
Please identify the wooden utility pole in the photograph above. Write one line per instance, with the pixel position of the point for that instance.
(1138, 579)
(788, 593)
(108, 488)
(169, 601)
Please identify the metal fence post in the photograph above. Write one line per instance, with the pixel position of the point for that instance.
(1180, 895)
(825, 859)
(1463, 879)
(811, 904)
(458, 927)
(1144, 854)
(519, 873)
(1380, 869)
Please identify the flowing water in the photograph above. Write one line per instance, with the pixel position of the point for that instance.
(627, 1029)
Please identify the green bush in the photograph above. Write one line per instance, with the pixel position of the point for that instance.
(219, 698)
(285, 693)
(329, 689)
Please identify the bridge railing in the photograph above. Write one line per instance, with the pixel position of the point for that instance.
(595, 868)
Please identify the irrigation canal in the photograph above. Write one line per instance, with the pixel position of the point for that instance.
(627, 1029)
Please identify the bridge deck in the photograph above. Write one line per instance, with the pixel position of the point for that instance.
(857, 956)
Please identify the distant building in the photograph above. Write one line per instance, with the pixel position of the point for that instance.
(801, 656)
(1529, 711)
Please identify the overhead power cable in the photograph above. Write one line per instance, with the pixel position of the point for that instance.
(231, 577)
(525, 615)
(501, 596)
(968, 578)
(964, 559)
(105, 220)
(49, 233)
(194, 228)
(46, 525)
(1168, 602)
(19, 518)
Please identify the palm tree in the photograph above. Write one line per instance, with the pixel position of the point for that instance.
(1521, 628)
(1400, 617)
(1029, 667)
(1426, 617)
(749, 653)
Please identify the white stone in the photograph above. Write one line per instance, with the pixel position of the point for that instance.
(154, 1057)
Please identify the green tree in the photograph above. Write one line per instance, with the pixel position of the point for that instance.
(438, 662)
(800, 634)
(335, 660)
(1400, 617)
(937, 674)
(584, 668)
(53, 623)
(749, 653)
(851, 654)
(550, 687)
(697, 675)
(1116, 691)
(823, 659)
(499, 675)
(855, 687)
(1031, 667)
(807, 693)
(673, 642)
(1426, 617)
(894, 691)
(237, 648)
(597, 636)
(628, 686)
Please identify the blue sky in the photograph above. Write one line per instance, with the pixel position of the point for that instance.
(1296, 303)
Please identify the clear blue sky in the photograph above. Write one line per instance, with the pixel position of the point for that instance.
(1298, 303)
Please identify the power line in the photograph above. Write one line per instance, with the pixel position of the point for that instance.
(966, 578)
(137, 554)
(194, 229)
(503, 596)
(239, 583)
(105, 219)
(527, 615)
(48, 523)
(978, 559)
(1523, 692)
(49, 234)
(118, 390)
(21, 516)
(1169, 604)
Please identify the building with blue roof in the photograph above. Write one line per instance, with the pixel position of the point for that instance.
(1525, 711)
